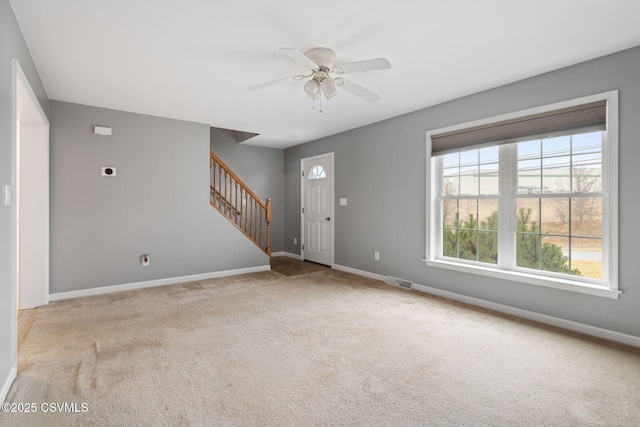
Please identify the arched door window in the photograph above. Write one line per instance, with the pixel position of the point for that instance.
(316, 172)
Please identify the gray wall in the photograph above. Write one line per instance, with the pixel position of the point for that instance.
(261, 169)
(12, 45)
(380, 168)
(157, 204)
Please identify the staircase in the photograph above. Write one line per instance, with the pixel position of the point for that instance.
(241, 206)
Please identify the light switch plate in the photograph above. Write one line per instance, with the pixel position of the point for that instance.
(343, 201)
(7, 195)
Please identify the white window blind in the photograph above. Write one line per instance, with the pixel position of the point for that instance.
(571, 120)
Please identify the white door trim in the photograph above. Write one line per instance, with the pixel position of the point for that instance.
(28, 121)
(333, 184)
(32, 195)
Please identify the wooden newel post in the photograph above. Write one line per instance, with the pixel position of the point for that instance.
(268, 218)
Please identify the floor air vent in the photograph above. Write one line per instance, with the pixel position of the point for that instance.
(398, 282)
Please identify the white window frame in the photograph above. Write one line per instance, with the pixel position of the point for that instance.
(608, 287)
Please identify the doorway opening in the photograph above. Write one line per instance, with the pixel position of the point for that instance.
(30, 210)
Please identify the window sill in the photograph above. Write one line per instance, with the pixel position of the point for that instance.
(549, 282)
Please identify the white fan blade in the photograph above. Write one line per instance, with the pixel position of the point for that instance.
(298, 56)
(368, 65)
(273, 82)
(357, 90)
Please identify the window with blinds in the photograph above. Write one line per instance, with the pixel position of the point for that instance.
(530, 194)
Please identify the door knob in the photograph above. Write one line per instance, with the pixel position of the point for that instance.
(328, 218)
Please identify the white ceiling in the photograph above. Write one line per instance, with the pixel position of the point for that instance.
(193, 59)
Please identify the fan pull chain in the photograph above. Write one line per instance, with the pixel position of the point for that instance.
(320, 101)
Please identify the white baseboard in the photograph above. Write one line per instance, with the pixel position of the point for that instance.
(278, 254)
(358, 272)
(7, 384)
(531, 315)
(151, 283)
(525, 314)
(288, 254)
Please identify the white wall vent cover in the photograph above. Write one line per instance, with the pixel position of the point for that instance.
(398, 282)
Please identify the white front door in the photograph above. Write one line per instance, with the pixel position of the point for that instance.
(317, 209)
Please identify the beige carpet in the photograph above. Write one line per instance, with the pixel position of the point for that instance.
(325, 348)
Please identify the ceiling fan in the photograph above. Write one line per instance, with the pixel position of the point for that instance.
(321, 81)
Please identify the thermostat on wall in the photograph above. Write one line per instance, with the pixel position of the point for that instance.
(108, 171)
(102, 130)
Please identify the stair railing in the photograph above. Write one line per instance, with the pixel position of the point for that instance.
(241, 206)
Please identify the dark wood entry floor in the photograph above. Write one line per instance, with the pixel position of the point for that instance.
(292, 267)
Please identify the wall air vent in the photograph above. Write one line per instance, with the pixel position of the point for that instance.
(398, 282)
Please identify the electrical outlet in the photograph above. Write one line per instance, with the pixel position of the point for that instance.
(376, 256)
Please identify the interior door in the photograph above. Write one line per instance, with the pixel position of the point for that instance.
(317, 209)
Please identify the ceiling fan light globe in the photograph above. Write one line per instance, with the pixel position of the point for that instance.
(328, 87)
(311, 88)
(330, 95)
